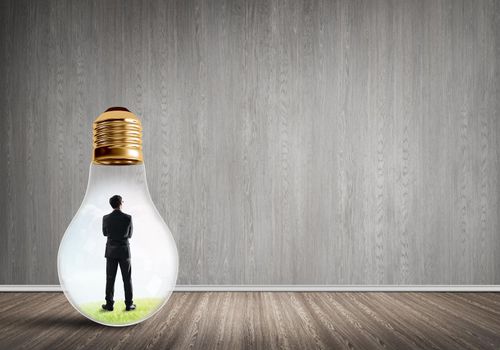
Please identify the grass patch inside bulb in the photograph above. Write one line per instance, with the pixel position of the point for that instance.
(145, 307)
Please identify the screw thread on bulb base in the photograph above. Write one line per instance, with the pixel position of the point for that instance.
(117, 138)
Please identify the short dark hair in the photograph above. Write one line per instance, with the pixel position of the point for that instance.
(115, 201)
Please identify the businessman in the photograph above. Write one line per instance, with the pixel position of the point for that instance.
(117, 226)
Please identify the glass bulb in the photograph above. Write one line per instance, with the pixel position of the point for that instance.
(154, 261)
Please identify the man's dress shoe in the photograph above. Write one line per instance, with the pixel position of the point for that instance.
(107, 307)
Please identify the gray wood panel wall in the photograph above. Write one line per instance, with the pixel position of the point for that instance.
(286, 142)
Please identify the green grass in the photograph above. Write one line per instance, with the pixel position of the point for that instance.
(119, 316)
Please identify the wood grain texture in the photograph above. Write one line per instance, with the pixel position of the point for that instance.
(264, 321)
(286, 142)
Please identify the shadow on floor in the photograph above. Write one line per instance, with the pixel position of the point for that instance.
(70, 322)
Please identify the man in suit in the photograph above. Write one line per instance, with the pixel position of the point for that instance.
(117, 226)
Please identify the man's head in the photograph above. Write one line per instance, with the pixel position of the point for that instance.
(116, 201)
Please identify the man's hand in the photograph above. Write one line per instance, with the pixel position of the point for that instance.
(130, 228)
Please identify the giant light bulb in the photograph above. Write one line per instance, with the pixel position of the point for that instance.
(117, 169)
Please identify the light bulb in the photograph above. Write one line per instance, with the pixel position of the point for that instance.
(117, 169)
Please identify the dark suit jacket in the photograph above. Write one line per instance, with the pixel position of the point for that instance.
(117, 226)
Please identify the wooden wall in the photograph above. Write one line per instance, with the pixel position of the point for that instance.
(286, 142)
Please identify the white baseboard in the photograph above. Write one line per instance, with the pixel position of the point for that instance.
(30, 288)
(338, 288)
(286, 288)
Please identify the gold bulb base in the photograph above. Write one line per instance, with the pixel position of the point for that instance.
(117, 138)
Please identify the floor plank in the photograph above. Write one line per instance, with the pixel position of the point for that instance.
(264, 320)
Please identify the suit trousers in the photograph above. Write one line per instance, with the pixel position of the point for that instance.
(126, 271)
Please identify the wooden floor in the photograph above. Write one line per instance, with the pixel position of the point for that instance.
(264, 321)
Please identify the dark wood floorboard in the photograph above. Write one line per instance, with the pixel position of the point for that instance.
(249, 320)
